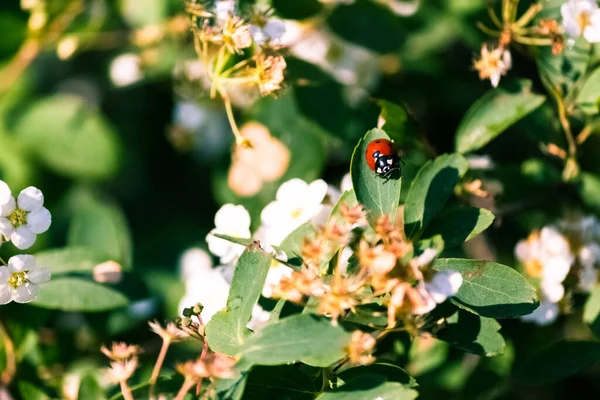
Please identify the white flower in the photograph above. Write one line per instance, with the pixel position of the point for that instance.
(224, 9)
(277, 272)
(125, 69)
(425, 303)
(271, 32)
(426, 257)
(582, 17)
(194, 262)
(588, 278)
(207, 287)
(260, 318)
(480, 162)
(546, 255)
(189, 115)
(493, 64)
(544, 315)
(346, 183)
(20, 279)
(551, 291)
(22, 219)
(589, 254)
(230, 220)
(444, 284)
(296, 203)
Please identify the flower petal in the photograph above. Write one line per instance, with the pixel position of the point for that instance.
(30, 199)
(8, 207)
(5, 193)
(21, 262)
(39, 221)
(26, 293)
(39, 275)
(317, 190)
(5, 294)
(293, 191)
(6, 228)
(23, 238)
(231, 219)
(194, 261)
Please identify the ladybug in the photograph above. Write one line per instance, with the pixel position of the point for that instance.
(382, 158)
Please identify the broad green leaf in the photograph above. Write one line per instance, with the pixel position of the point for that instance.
(75, 294)
(398, 124)
(304, 337)
(459, 225)
(380, 196)
(292, 244)
(591, 311)
(297, 9)
(557, 361)
(70, 138)
(226, 331)
(349, 199)
(69, 259)
(588, 98)
(373, 26)
(430, 190)
(393, 373)
(493, 113)
(589, 190)
(370, 386)
(490, 289)
(29, 391)
(100, 225)
(282, 382)
(472, 333)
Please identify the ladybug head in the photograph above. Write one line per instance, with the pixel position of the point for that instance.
(385, 165)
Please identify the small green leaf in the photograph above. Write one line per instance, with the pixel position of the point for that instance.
(490, 289)
(69, 259)
(472, 333)
(589, 95)
(370, 386)
(379, 196)
(31, 392)
(393, 373)
(493, 113)
(459, 225)
(591, 311)
(69, 138)
(398, 124)
(100, 225)
(282, 382)
(226, 331)
(74, 294)
(241, 241)
(349, 199)
(430, 190)
(304, 337)
(557, 361)
(292, 244)
(589, 190)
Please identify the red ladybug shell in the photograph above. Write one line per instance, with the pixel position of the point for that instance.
(383, 146)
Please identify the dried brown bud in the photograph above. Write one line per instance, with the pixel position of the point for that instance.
(361, 348)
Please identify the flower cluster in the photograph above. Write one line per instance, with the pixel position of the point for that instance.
(124, 362)
(237, 52)
(560, 259)
(21, 220)
(579, 18)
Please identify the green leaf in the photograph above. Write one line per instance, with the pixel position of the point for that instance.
(379, 196)
(226, 331)
(557, 361)
(459, 225)
(292, 244)
(588, 98)
(100, 225)
(493, 113)
(31, 392)
(69, 259)
(472, 333)
(591, 311)
(430, 190)
(74, 294)
(297, 9)
(349, 199)
(393, 373)
(398, 124)
(282, 382)
(70, 138)
(370, 386)
(233, 239)
(490, 289)
(589, 190)
(304, 337)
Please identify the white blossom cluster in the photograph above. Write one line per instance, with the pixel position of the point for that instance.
(21, 220)
(569, 248)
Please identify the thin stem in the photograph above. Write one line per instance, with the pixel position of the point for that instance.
(584, 134)
(3, 262)
(185, 388)
(126, 391)
(159, 362)
(534, 41)
(494, 17)
(513, 10)
(564, 121)
(239, 138)
(529, 15)
(487, 30)
(11, 358)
